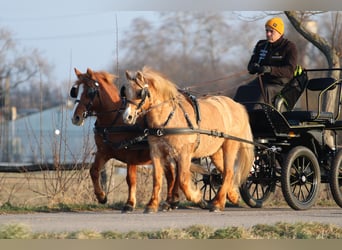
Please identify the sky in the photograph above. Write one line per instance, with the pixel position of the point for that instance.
(70, 38)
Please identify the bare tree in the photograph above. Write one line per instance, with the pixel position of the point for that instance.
(330, 49)
(19, 67)
(192, 48)
(14, 64)
(298, 20)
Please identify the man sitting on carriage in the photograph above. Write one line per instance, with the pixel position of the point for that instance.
(274, 59)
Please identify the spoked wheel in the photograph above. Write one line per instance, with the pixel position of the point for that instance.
(336, 179)
(300, 178)
(261, 182)
(209, 181)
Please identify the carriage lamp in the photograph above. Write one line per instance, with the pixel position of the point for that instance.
(291, 134)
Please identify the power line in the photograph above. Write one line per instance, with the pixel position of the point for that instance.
(106, 32)
(46, 18)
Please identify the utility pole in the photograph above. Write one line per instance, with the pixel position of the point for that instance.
(7, 114)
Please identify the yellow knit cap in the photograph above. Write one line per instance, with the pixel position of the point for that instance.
(277, 24)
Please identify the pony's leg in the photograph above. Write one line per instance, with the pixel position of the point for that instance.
(217, 159)
(230, 150)
(153, 204)
(172, 199)
(94, 171)
(175, 191)
(131, 180)
(185, 182)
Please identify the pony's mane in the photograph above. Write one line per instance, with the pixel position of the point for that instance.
(164, 87)
(105, 77)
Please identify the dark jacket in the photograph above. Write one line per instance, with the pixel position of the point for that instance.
(280, 55)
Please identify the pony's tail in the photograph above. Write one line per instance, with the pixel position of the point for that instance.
(246, 159)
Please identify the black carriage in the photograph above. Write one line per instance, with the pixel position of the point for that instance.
(291, 150)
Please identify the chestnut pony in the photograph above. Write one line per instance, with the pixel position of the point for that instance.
(96, 94)
(182, 128)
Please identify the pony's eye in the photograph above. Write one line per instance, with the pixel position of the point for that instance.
(91, 93)
(139, 94)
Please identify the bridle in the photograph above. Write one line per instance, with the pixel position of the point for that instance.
(92, 92)
(143, 94)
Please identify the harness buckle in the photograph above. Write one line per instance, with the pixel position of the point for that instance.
(146, 132)
(159, 132)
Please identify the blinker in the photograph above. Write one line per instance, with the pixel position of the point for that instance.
(123, 92)
(73, 91)
(144, 92)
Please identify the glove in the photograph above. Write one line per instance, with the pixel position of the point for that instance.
(264, 69)
(254, 68)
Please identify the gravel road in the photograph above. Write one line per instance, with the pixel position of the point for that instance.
(181, 218)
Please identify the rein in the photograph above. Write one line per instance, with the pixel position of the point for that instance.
(172, 131)
(124, 144)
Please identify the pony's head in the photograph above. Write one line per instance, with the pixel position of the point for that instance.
(87, 92)
(142, 90)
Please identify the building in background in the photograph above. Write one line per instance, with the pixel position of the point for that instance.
(46, 137)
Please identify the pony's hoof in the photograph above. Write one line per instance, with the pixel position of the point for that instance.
(233, 197)
(165, 206)
(127, 209)
(168, 206)
(203, 204)
(175, 205)
(149, 210)
(215, 209)
(103, 200)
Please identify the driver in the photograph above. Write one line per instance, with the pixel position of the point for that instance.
(274, 59)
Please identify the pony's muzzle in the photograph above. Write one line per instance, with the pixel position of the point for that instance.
(77, 120)
(129, 117)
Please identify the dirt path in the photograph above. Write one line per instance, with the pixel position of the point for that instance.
(182, 218)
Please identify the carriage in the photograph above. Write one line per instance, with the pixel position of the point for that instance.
(290, 148)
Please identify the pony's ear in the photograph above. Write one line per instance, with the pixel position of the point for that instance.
(128, 75)
(89, 72)
(77, 72)
(140, 76)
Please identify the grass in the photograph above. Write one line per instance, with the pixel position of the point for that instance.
(49, 191)
(260, 231)
(51, 188)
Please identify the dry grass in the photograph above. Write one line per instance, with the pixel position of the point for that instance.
(48, 188)
(51, 188)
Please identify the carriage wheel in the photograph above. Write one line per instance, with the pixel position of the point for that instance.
(336, 179)
(300, 178)
(260, 184)
(209, 182)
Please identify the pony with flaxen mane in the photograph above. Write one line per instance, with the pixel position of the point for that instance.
(96, 94)
(182, 127)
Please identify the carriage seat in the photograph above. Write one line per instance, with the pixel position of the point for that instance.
(320, 85)
(308, 116)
